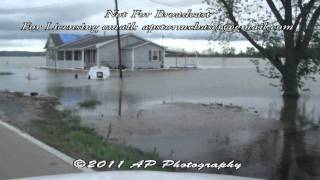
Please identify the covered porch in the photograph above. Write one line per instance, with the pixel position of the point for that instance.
(77, 58)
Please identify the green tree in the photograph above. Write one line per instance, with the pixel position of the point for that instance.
(301, 21)
(228, 50)
(250, 51)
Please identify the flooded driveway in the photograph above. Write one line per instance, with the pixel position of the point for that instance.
(160, 112)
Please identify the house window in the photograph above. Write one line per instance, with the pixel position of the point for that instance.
(160, 55)
(60, 55)
(77, 55)
(68, 55)
(155, 55)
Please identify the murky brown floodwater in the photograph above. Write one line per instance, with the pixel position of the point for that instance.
(282, 143)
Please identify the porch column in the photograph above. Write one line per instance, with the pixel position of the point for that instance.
(163, 57)
(55, 58)
(64, 59)
(82, 58)
(132, 60)
(72, 57)
(98, 57)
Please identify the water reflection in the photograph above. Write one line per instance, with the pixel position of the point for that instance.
(71, 96)
(300, 150)
(121, 89)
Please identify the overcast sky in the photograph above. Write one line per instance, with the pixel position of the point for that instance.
(14, 12)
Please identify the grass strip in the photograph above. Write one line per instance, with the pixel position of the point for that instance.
(63, 131)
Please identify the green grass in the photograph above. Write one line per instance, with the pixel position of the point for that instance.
(90, 103)
(63, 131)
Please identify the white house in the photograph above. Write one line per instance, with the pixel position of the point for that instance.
(73, 51)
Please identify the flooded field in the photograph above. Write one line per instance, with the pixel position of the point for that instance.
(160, 112)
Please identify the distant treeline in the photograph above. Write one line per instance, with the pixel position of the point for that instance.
(213, 55)
(250, 52)
(21, 53)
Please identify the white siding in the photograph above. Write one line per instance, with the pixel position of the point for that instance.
(50, 54)
(108, 53)
(127, 58)
(141, 57)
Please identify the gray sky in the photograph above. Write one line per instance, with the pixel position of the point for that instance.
(14, 12)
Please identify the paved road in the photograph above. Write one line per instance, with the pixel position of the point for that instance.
(21, 158)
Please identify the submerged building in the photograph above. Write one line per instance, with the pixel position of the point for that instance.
(73, 51)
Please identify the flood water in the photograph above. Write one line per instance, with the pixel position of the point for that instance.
(281, 143)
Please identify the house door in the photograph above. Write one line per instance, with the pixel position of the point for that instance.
(90, 58)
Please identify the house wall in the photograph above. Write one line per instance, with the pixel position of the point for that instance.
(50, 52)
(127, 58)
(129, 40)
(108, 54)
(141, 57)
(50, 43)
(52, 62)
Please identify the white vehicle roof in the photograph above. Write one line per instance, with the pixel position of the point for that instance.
(99, 68)
(140, 175)
(93, 72)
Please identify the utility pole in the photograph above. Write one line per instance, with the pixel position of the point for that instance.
(119, 43)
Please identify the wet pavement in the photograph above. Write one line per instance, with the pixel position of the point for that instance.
(20, 158)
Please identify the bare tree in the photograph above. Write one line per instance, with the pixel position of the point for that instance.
(302, 16)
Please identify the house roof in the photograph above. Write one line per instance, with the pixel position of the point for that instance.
(133, 45)
(60, 39)
(86, 42)
(177, 52)
(68, 38)
(139, 44)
